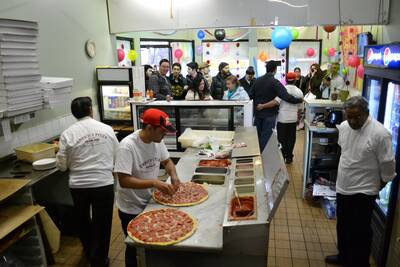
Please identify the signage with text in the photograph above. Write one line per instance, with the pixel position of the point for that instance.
(384, 56)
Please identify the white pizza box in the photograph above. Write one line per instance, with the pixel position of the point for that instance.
(56, 82)
(20, 86)
(20, 79)
(20, 93)
(58, 91)
(18, 38)
(18, 52)
(18, 30)
(19, 72)
(17, 45)
(24, 24)
(14, 112)
(21, 99)
(11, 59)
(25, 104)
(18, 65)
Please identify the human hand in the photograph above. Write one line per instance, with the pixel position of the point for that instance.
(164, 187)
(260, 107)
(169, 98)
(175, 182)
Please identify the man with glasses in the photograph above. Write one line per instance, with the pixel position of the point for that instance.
(366, 163)
(137, 165)
(159, 82)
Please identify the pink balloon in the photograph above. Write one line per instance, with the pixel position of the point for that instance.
(121, 54)
(178, 53)
(331, 51)
(310, 52)
(360, 71)
(353, 61)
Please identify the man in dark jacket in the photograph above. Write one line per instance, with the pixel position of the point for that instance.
(248, 80)
(178, 82)
(265, 89)
(159, 82)
(218, 86)
(193, 72)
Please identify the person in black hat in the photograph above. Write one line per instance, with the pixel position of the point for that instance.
(248, 80)
(265, 89)
(218, 86)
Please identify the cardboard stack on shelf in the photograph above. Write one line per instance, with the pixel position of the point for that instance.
(20, 90)
(56, 91)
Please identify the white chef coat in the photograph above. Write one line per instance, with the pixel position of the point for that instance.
(287, 111)
(366, 158)
(87, 149)
(337, 82)
(142, 161)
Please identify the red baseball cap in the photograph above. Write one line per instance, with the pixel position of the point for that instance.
(157, 117)
(291, 76)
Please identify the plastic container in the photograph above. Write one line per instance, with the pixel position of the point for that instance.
(34, 152)
(190, 136)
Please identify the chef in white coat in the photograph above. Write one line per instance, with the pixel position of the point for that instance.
(87, 149)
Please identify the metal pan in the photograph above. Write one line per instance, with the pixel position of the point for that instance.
(244, 160)
(208, 179)
(211, 170)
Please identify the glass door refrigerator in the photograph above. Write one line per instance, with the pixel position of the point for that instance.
(382, 89)
(115, 87)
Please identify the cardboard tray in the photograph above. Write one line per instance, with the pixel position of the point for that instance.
(11, 186)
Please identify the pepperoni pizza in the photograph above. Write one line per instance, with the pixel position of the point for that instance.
(162, 227)
(188, 194)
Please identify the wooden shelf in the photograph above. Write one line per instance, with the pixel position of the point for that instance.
(13, 216)
(11, 186)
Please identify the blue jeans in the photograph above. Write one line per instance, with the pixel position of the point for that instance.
(264, 130)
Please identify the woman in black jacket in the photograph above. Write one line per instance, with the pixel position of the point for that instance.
(313, 80)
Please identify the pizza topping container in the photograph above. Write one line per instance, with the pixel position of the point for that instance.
(247, 166)
(244, 160)
(242, 208)
(244, 181)
(208, 179)
(211, 170)
(247, 173)
(245, 189)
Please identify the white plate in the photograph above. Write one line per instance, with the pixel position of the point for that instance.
(44, 164)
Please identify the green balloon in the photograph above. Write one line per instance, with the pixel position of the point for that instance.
(344, 71)
(325, 51)
(295, 34)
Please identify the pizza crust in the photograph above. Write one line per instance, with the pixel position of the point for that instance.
(182, 204)
(189, 234)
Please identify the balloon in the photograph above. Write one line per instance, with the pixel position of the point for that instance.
(132, 55)
(353, 61)
(325, 51)
(219, 34)
(310, 52)
(226, 47)
(329, 28)
(199, 49)
(344, 71)
(121, 54)
(360, 71)
(178, 53)
(201, 34)
(295, 34)
(331, 51)
(263, 56)
(281, 38)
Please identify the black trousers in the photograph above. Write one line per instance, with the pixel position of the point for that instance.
(287, 138)
(130, 252)
(354, 234)
(94, 231)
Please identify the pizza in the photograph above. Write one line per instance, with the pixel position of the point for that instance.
(224, 163)
(188, 194)
(162, 227)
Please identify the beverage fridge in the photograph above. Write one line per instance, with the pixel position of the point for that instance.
(115, 87)
(382, 89)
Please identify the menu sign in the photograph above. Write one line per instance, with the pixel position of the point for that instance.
(383, 56)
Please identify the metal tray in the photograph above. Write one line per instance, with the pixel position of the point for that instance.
(244, 181)
(245, 189)
(244, 160)
(209, 179)
(212, 170)
(244, 173)
(245, 166)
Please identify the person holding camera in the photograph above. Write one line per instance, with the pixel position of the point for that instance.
(313, 80)
(332, 81)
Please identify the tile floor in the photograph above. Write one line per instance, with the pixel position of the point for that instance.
(300, 234)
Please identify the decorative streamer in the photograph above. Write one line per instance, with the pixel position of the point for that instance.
(166, 33)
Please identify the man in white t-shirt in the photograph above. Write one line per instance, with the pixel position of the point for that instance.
(87, 149)
(137, 164)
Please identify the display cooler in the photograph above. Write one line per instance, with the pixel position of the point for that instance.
(115, 88)
(382, 90)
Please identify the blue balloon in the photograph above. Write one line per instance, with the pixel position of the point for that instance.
(201, 34)
(281, 38)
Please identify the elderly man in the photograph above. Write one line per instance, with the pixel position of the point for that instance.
(366, 164)
(159, 82)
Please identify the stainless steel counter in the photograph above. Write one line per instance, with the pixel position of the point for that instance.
(247, 135)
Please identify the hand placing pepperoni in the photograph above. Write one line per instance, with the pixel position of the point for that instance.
(166, 188)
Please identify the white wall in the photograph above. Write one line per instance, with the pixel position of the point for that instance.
(64, 27)
(391, 32)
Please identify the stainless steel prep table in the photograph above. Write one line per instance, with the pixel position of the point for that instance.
(218, 241)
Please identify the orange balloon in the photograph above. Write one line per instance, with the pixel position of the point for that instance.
(263, 56)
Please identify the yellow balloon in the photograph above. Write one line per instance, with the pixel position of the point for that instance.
(132, 55)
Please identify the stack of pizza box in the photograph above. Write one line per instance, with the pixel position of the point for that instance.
(20, 90)
(56, 91)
